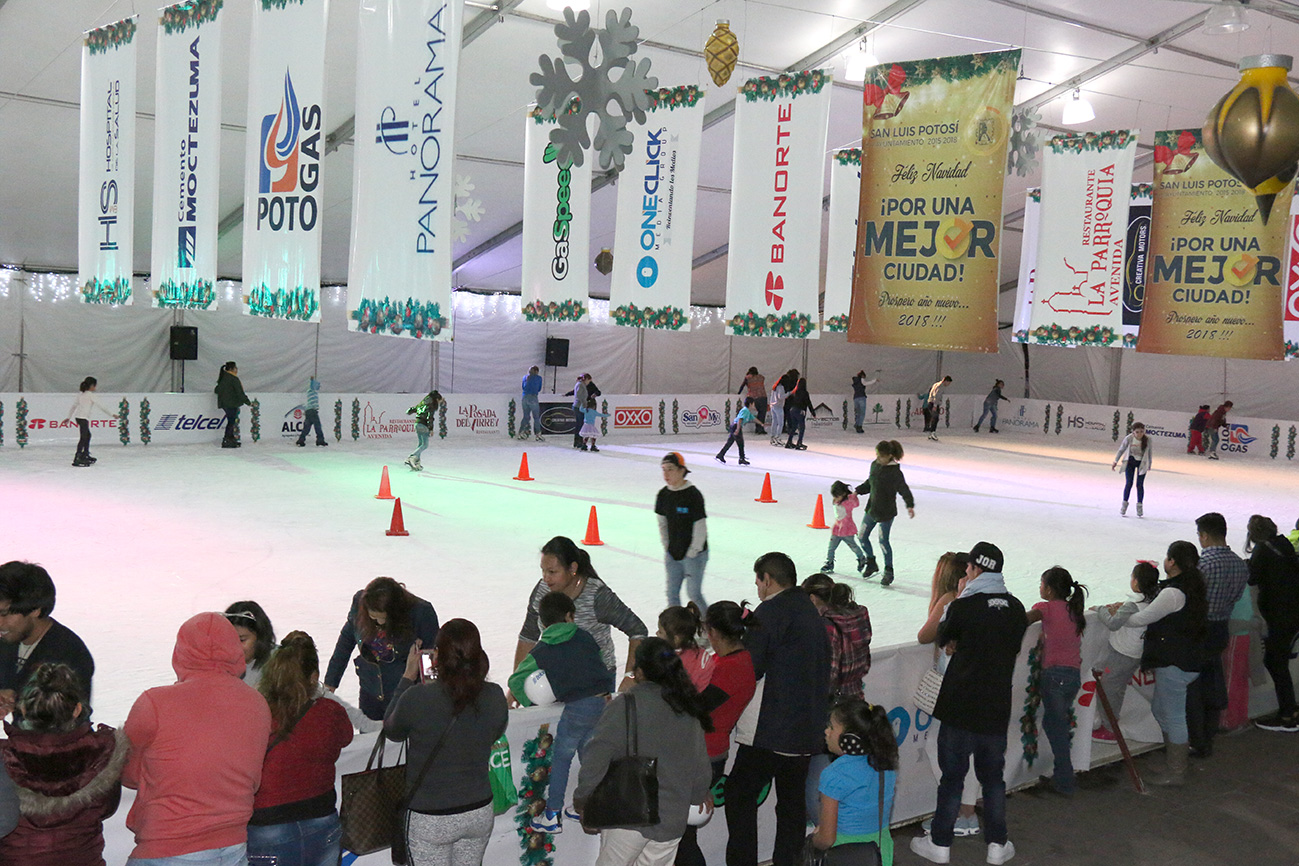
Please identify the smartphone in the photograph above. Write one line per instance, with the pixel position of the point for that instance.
(426, 670)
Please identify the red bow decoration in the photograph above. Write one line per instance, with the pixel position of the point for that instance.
(874, 95)
(1185, 142)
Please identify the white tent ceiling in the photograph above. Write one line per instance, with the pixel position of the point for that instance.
(1143, 64)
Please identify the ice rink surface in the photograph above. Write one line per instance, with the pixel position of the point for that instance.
(151, 535)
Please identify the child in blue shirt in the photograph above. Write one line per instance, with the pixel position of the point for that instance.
(737, 432)
(589, 431)
(853, 811)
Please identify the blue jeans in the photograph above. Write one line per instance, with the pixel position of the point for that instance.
(835, 541)
(988, 408)
(232, 425)
(531, 407)
(1130, 471)
(310, 421)
(858, 411)
(421, 435)
(575, 727)
(1059, 687)
(867, 524)
(1211, 439)
(815, 767)
(955, 747)
(233, 855)
(312, 842)
(797, 425)
(1169, 702)
(688, 570)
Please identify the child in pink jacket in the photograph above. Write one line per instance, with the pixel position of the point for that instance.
(844, 530)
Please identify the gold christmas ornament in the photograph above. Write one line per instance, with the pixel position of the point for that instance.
(604, 261)
(722, 51)
(1253, 131)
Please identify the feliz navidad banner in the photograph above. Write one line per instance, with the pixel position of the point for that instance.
(556, 228)
(934, 136)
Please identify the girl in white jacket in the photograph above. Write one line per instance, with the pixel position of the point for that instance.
(81, 409)
(1137, 446)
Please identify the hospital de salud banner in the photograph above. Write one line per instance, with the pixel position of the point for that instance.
(653, 250)
(556, 229)
(934, 136)
(774, 261)
(106, 196)
(186, 157)
(403, 196)
(845, 189)
(286, 142)
(1216, 271)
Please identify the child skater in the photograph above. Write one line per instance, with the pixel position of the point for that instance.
(857, 787)
(884, 484)
(681, 628)
(1061, 615)
(423, 412)
(844, 530)
(1137, 446)
(1123, 656)
(737, 432)
(589, 431)
(81, 409)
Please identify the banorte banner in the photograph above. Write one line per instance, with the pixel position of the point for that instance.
(556, 229)
(773, 265)
(403, 196)
(1078, 286)
(653, 250)
(1215, 281)
(845, 189)
(187, 157)
(934, 135)
(283, 205)
(106, 197)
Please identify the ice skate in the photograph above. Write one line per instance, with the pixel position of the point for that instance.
(301, 444)
(719, 458)
(593, 448)
(743, 462)
(537, 436)
(976, 428)
(887, 577)
(412, 463)
(322, 444)
(872, 567)
(1140, 513)
(1123, 509)
(91, 459)
(80, 461)
(993, 430)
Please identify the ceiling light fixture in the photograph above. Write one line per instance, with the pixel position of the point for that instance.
(1077, 110)
(1225, 18)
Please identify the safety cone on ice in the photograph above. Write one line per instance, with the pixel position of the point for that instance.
(385, 491)
(398, 526)
(766, 490)
(818, 516)
(523, 470)
(592, 530)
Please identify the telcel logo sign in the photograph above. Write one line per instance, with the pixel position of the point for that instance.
(639, 417)
(704, 416)
(187, 422)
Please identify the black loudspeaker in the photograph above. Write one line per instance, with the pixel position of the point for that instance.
(556, 352)
(184, 343)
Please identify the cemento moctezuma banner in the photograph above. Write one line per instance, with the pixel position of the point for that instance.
(1215, 281)
(934, 135)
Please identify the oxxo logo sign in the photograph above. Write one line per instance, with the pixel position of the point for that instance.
(189, 422)
(633, 417)
(289, 169)
(704, 416)
(1238, 439)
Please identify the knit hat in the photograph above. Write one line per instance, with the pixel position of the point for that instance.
(987, 556)
(674, 458)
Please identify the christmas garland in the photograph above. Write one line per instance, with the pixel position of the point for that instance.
(509, 426)
(1129, 341)
(198, 295)
(848, 156)
(1291, 350)
(146, 436)
(897, 413)
(1077, 142)
(124, 421)
(753, 324)
(1060, 335)
(1289, 447)
(786, 84)
(837, 324)
(293, 304)
(1129, 427)
(356, 419)
(416, 318)
(662, 417)
(1276, 440)
(571, 310)
(1032, 701)
(687, 96)
(675, 429)
(1143, 190)
(947, 414)
(182, 16)
(604, 421)
(255, 425)
(664, 318)
(1035, 193)
(960, 68)
(114, 35)
(1046, 422)
(537, 847)
(20, 423)
(2, 426)
(116, 291)
(1114, 431)
(908, 413)
(338, 420)
(845, 414)
(268, 5)
(442, 420)
(1059, 417)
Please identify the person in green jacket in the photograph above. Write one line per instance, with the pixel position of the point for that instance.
(423, 411)
(230, 396)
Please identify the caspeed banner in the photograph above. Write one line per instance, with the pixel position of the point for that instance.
(403, 196)
(1215, 280)
(1078, 297)
(106, 193)
(934, 136)
(286, 141)
(653, 249)
(556, 229)
(845, 189)
(774, 262)
(186, 157)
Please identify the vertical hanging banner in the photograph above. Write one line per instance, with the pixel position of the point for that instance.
(845, 190)
(403, 196)
(106, 195)
(186, 156)
(1290, 315)
(1027, 264)
(556, 229)
(934, 136)
(653, 249)
(1086, 178)
(1215, 281)
(286, 141)
(1136, 256)
(774, 262)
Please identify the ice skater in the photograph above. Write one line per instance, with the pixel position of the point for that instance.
(1213, 430)
(932, 406)
(990, 407)
(423, 412)
(531, 402)
(80, 411)
(589, 431)
(844, 530)
(1195, 441)
(230, 396)
(311, 418)
(778, 411)
(756, 385)
(884, 485)
(737, 432)
(1137, 446)
(859, 385)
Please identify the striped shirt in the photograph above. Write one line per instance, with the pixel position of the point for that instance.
(598, 608)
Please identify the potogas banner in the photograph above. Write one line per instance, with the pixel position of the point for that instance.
(186, 157)
(1078, 286)
(286, 140)
(934, 159)
(106, 196)
(845, 189)
(556, 229)
(403, 198)
(774, 263)
(1291, 313)
(1032, 224)
(1215, 281)
(653, 250)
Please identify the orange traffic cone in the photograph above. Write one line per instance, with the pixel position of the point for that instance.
(592, 530)
(523, 470)
(818, 516)
(398, 526)
(766, 490)
(385, 492)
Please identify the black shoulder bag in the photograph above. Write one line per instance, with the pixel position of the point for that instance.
(628, 795)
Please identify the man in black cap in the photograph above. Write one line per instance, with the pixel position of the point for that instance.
(982, 630)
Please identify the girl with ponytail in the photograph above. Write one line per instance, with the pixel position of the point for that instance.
(1061, 615)
(857, 788)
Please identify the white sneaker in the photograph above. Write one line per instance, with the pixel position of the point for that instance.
(925, 847)
(998, 854)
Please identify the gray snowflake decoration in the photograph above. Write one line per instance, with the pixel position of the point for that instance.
(1021, 156)
(614, 101)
